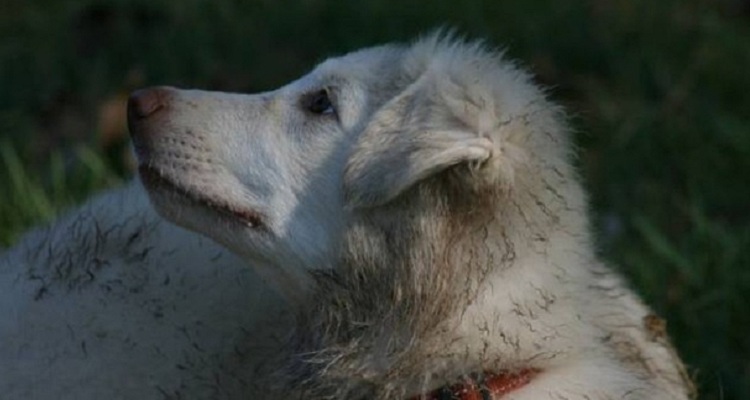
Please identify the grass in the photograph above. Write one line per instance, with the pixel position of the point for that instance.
(34, 196)
(659, 92)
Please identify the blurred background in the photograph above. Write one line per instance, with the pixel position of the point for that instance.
(659, 94)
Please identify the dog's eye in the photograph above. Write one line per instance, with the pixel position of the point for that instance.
(320, 103)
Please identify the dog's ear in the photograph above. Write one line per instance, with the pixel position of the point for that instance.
(427, 128)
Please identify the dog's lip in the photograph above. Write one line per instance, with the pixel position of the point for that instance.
(150, 176)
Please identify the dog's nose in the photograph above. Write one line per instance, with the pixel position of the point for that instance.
(144, 106)
(144, 103)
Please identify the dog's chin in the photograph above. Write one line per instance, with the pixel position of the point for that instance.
(192, 209)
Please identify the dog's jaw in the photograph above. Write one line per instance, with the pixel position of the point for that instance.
(243, 230)
(156, 181)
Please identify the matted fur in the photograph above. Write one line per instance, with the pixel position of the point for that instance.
(113, 302)
(427, 225)
(454, 231)
(483, 262)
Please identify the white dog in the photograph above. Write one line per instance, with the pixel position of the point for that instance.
(414, 206)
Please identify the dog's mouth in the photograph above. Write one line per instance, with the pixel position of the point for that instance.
(152, 178)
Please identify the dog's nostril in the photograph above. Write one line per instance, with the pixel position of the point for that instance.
(146, 102)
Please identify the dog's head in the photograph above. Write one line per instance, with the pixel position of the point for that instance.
(278, 177)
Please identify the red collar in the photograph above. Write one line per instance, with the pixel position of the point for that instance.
(486, 386)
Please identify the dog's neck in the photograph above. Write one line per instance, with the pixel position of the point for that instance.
(386, 313)
(428, 289)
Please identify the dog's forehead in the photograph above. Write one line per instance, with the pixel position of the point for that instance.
(361, 65)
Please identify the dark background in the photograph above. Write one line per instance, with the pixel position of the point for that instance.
(657, 90)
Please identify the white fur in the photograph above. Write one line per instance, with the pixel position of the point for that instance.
(111, 302)
(524, 289)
